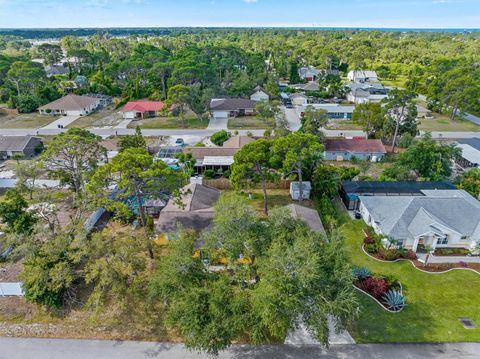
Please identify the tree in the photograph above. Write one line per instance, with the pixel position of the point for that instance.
(27, 173)
(295, 153)
(179, 95)
(132, 141)
(314, 120)
(371, 116)
(294, 76)
(267, 111)
(218, 138)
(252, 164)
(73, 157)
(50, 53)
(187, 161)
(470, 182)
(13, 212)
(401, 114)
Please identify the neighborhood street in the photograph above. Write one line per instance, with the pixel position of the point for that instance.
(19, 348)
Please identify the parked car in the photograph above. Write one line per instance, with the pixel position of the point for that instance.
(180, 142)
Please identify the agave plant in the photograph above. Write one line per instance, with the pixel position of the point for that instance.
(361, 273)
(394, 300)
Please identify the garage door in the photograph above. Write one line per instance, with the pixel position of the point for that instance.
(220, 115)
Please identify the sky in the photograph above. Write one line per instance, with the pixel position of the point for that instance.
(461, 14)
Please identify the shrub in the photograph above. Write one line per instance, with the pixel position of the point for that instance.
(371, 248)
(392, 281)
(375, 286)
(389, 254)
(394, 300)
(220, 137)
(411, 255)
(369, 240)
(360, 273)
(209, 174)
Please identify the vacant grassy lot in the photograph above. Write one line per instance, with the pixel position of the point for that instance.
(435, 301)
(443, 123)
(248, 123)
(343, 125)
(26, 120)
(102, 118)
(169, 123)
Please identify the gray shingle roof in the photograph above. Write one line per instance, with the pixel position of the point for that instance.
(408, 217)
(71, 103)
(473, 142)
(14, 143)
(232, 104)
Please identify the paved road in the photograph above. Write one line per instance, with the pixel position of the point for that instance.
(16, 348)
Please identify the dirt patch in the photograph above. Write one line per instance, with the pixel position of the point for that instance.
(9, 272)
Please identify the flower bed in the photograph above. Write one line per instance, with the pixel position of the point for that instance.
(373, 246)
(451, 252)
(387, 291)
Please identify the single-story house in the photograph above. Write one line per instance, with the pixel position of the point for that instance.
(194, 210)
(362, 76)
(308, 215)
(344, 149)
(335, 111)
(54, 70)
(299, 99)
(105, 100)
(260, 94)
(232, 107)
(25, 146)
(423, 112)
(135, 110)
(295, 190)
(352, 190)
(308, 87)
(216, 158)
(439, 219)
(71, 105)
(470, 157)
(308, 73)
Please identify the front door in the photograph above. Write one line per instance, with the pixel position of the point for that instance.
(421, 246)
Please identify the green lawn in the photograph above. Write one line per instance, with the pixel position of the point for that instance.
(248, 123)
(343, 125)
(399, 82)
(169, 123)
(443, 123)
(26, 120)
(435, 301)
(101, 118)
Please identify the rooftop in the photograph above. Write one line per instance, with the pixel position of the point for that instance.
(71, 103)
(231, 104)
(308, 215)
(355, 145)
(143, 106)
(14, 143)
(394, 186)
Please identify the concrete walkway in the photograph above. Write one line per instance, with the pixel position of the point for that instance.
(62, 121)
(20, 348)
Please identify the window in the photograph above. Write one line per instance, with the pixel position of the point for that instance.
(400, 243)
(442, 241)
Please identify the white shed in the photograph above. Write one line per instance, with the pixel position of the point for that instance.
(295, 190)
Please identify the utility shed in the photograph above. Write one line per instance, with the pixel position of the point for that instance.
(295, 190)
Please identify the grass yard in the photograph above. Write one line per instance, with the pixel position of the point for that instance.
(435, 301)
(343, 125)
(248, 123)
(169, 123)
(26, 120)
(101, 118)
(443, 123)
(399, 82)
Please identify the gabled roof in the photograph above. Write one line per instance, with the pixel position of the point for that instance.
(473, 142)
(232, 104)
(470, 153)
(237, 141)
(143, 106)
(71, 103)
(15, 143)
(260, 89)
(411, 216)
(229, 148)
(355, 145)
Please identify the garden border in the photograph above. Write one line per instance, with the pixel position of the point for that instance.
(378, 302)
(414, 266)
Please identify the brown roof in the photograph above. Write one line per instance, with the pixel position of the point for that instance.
(237, 141)
(71, 103)
(232, 104)
(355, 145)
(229, 148)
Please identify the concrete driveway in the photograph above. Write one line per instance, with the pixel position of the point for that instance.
(218, 123)
(293, 118)
(62, 121)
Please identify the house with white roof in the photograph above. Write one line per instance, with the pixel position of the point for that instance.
(438, 219)
(260, 94)
(362, 76)
(470, 157)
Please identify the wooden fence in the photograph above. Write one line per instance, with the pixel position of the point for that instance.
(224, 184)
(8, 111)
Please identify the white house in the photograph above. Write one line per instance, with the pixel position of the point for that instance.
(308, 73)
(260, 94)
(362, 76)
(439, 219)
(71, 105)
(299, 99)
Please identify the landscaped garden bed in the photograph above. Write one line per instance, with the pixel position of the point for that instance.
(372, 244)
(386, 290)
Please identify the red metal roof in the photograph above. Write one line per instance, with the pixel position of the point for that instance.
(355, 145)
(143, 106)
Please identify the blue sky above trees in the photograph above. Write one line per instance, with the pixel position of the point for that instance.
(323, 13)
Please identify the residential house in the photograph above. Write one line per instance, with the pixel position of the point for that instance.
(439, 219)
(260, 94)
(362, 76)
(351, 191)
(334, 111)
(194, 210)
(216, 158)
(136, 110)
(366, 92)
(345, 149)
(232, 107)
(470, 157)
(308, 73)
(54, 70)
(308, 87)
(308, 215)
(71, 105)
(24, 146)
(105, 100)
(299, 99)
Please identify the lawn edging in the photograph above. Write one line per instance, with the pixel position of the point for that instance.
(414, 266)
(376, 300)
